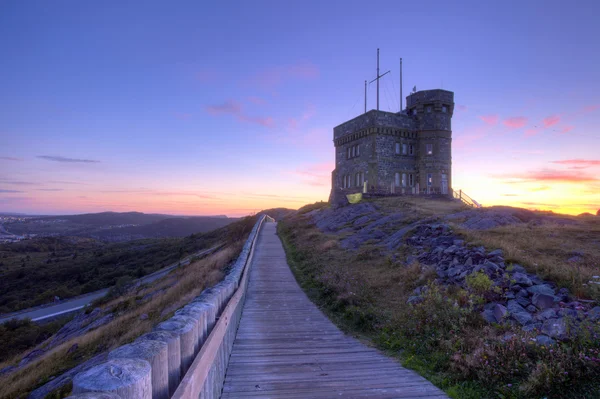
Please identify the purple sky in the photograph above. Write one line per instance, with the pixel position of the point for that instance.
(191, 108)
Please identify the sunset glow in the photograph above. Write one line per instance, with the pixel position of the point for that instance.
(198, 109)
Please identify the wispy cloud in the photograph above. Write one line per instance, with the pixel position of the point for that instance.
(65, 159)
(10, 159)
(50, 189)
(551, 121)
(272, 77)
(234, 108)
(182, 115)
(2, 190)
(565, 129)
(509, 195)
(489, 119)
(318, 174)
(516, 122)
(549, 175)
(579, 163)
(208, 75)
(591, 108)
(257, 100)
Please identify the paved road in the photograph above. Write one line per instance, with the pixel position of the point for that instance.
(286, 347)
(72, 305)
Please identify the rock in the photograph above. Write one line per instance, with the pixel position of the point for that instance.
(572, 313)
(594, 313)
(500, 312)
(517, 312)
(509, 295)
(575, 259)
(143, 316)
(522, 293)
(508, 336)
(451, 250)
(544, 340)
(7, 370)
(531, 309)
(496, 252)
(543, 301)
(488, 315)
(516, 268)
(413, 300)
(522, 279)
(459, 243)
(338, 199)
(453, 271)
(73, 348)
(491, 267)
(31, 356)
(531, 327)
(555, 328)
(541, 289)
(469, 262)
(523, 301)
(545, 315)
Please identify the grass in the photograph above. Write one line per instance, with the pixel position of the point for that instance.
(443, 338)
(568, 254)
(178, 288)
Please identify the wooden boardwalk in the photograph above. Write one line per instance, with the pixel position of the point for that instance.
(286, 348)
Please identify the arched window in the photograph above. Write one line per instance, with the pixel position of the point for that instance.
(397, 179)
(403, 179)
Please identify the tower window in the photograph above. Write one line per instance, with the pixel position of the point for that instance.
(444, 109)
(428, 110)
(414, 111)
(411, 149)
(429, 149)
(397, 148)
(403, 179)
(397, 179)
(429, 179)
(411, 181)
(404, 148)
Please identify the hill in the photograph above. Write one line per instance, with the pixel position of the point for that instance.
(492, 302)
(116, 227)
(33, 272)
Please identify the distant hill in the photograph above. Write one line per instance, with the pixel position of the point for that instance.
(117, 226)
(171, 227)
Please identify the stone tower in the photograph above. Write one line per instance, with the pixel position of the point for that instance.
(408, 152)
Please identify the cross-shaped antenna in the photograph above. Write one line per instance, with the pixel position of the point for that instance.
(377, 79)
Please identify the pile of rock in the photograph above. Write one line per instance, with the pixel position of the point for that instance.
(523, 298)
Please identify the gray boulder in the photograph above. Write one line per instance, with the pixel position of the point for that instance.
(594, 313)
(541, 289)
(543, 301)
(544, 340)
(500, 312)
(546, 314)
(522, 279)
(555, 328)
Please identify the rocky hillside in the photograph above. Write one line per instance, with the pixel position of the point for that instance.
(512, 274)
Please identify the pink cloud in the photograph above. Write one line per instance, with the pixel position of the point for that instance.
(309, 112)
(579, 163)
(551, 120)
(292, 123)
(266, 122)
(531, 132)
(234, 108)
(318, 174)
(540, 188)
(566, 129)
(591, 108)
(516, 122)
(489, 119)
(550, 175)
(228, 107)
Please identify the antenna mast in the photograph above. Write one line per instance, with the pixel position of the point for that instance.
(377, 79)
(400, 84)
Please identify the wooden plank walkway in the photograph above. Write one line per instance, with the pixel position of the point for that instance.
(286, 348)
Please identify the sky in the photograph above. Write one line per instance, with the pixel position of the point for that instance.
(202, 108)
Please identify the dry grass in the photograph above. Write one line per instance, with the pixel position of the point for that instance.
(546, 250)
(179, 288)
(420, 207)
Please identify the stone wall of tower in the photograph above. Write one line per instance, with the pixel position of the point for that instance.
(345, 166)
(389, 162)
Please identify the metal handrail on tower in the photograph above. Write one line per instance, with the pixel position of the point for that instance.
(464, 198)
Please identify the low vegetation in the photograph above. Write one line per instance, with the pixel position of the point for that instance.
(444, 337)
(34, 272)
(135, 311)
(17, 336)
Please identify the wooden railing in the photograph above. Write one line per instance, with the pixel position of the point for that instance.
(195, 343)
